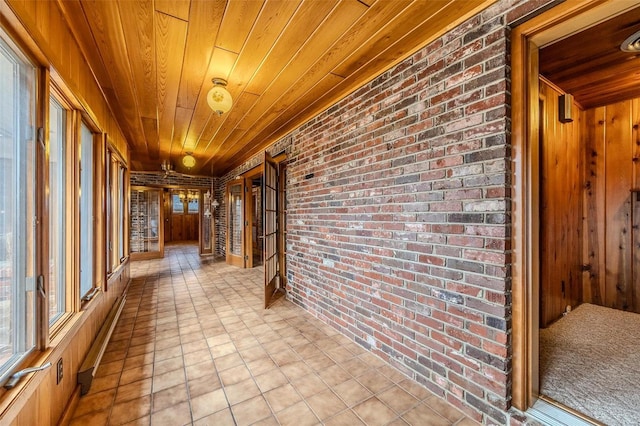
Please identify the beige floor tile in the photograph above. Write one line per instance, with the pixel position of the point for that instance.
(345, 418)
(298, 414)
(423, 414)
(197, 357)
(374, 412)
(133, 390)
(96, 402)
(326, 404)
(270, 380)
(241, 391)
(398, 399)
(351, 392)
(130, 410)
(208, 403)
(179, 414)
(374, 382)
(172, 352)
(415, 389)
(141, 421)
(110, 368)
(203, 384)
(169, 397)
(222, 350)
(221, 418)
(320, 362)
(308, 386)
(234, 375)
(201, 369)
(355, 366)
(100, 384)
(167, 380)
(282, 397)
(261, 366)
(228, 361)
(166, 365)
(135, 374)
(194, 346)
(251, 411)
(445, 409)
(171, 342)
(334, 375)
(98, 418)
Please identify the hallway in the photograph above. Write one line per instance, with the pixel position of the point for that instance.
(194, 346)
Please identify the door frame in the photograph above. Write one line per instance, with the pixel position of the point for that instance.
(233, 259)
(549, 26)
(249, 208)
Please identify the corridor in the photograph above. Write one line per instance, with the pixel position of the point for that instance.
(194, 346)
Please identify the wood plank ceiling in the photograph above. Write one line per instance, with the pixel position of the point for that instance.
(590, 65)
(285, 61)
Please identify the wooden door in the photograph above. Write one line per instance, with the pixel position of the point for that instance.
(235, 223)
(270, 228)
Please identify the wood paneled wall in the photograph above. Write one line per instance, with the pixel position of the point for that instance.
(561, 183)
(40, 28)
(612, 213)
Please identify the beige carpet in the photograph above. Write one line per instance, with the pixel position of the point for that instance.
(590, 361)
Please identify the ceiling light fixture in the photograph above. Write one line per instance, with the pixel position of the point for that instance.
(219, 98)
(188, 160)
(632, 43)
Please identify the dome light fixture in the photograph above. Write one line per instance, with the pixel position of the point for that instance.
(632, 43)
(219, 98)
(188, 160)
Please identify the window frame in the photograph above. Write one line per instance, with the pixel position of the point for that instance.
(32, 255)
(117, 206)
(56, 94)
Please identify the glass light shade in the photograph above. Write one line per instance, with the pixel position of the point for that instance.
(188, 161)
(219, 99)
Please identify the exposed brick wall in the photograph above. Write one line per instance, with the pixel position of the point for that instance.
(399, 215)
(180, 180)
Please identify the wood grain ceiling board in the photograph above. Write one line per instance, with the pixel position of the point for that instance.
(590, 65)
(285, 61)
(107, 29)
(170, 37)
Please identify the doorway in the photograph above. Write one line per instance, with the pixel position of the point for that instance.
(566, 254)
(255, 233)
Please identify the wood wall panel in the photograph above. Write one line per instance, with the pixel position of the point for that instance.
(560, 210)
(618, 183)
(594, 253)
(612, 217)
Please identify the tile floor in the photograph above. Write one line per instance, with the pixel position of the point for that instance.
(193, 346)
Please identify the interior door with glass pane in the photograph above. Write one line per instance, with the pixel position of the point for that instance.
(270, 229)
(207, 223)
(235, 223)
(147, 240)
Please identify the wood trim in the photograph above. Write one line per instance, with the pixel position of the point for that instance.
(42, 208)
(525, 188)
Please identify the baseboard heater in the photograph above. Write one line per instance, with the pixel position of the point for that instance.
(92, 360)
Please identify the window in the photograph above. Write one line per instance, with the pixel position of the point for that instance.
(120, 218)
(116, 208)
(193, 205)
(57, 210)
(176, 202)
(17, 208)
(86, 210)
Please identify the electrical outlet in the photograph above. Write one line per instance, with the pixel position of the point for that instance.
(59, 371)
